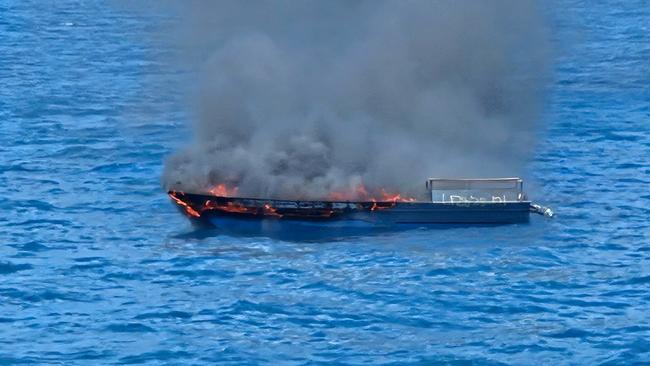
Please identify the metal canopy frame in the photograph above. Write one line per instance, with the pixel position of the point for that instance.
(480, 190)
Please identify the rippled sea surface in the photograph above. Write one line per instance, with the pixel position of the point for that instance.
(98, 267)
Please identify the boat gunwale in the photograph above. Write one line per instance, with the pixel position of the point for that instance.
(269, 200)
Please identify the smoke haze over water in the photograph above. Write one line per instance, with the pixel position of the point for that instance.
(298, 99)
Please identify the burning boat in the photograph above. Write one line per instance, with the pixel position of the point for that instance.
(452, 201)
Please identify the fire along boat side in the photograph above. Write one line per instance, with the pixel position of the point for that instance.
(453, 201)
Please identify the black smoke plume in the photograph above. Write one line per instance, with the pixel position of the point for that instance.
(299, 99)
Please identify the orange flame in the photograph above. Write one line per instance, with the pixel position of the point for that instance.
(271, 211)
(190, 211)
(361, 193)
(391, 197)
(381, 200)
(387, 201)
(223, 191)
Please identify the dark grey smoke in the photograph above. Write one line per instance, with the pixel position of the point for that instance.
(298, 99)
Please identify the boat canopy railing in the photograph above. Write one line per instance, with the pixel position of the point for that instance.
(476, 190)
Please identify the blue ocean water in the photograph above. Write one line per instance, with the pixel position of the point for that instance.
(98, 267)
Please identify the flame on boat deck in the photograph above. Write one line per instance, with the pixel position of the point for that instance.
(223, 191)
(360, 193)
(195, 205)
(222, 198)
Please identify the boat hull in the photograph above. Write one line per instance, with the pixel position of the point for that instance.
(233, 211)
